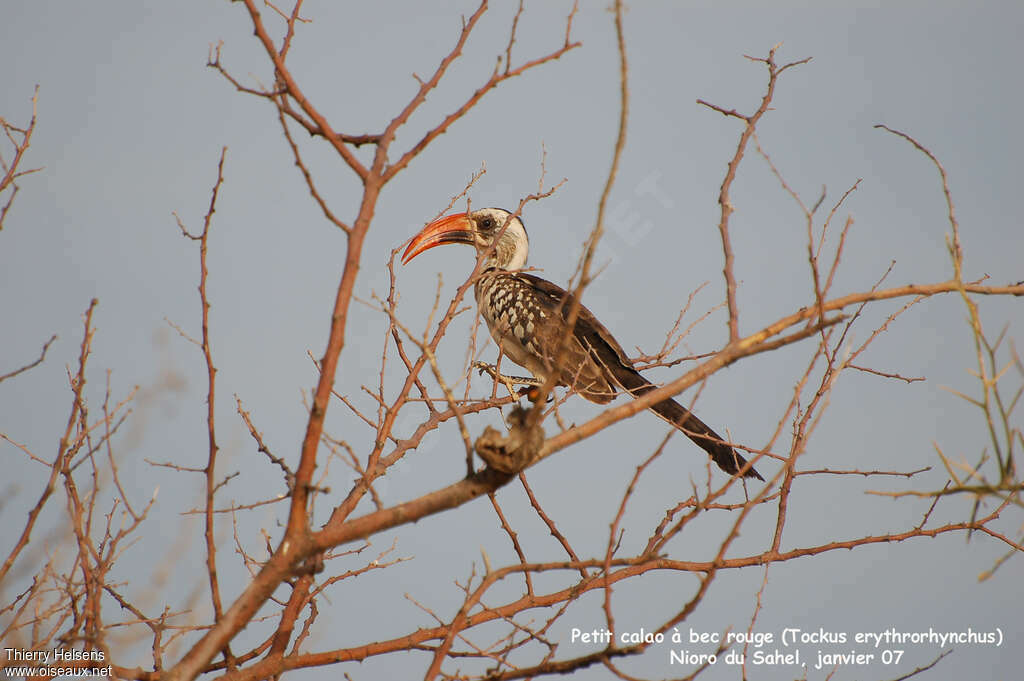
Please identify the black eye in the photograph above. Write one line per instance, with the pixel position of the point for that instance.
(487, 223)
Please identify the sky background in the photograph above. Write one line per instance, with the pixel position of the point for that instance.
(130, 127)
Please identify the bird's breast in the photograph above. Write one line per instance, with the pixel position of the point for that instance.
(513, 314)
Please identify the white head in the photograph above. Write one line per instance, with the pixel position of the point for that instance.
(479, 229)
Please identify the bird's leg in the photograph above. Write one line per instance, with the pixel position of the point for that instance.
(531, 385)
(508, 381)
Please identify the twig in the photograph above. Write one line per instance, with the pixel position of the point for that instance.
(66, 448)
(750, 124)
(211, 374)
(42, 356)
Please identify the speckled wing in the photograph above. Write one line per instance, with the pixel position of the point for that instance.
(593, 354)
(606, 359)
(526, 316)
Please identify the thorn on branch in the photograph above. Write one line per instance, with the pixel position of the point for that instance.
(722, 110)
(315, 489)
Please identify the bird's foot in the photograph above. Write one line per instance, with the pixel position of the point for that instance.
(510, 382)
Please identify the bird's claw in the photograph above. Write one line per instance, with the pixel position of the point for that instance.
(532, 385)
(485, 368)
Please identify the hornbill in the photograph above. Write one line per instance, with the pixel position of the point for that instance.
(527, 318)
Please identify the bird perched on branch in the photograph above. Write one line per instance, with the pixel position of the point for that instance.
(527, 317)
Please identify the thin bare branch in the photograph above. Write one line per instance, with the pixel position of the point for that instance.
(31, 365)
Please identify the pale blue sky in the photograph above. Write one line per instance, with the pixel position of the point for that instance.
(131, 123)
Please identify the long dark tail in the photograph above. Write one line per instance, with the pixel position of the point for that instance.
(679, 416)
